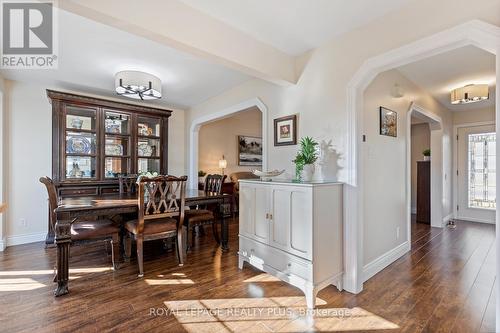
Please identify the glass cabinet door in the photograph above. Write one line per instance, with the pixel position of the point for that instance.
(80, 142)
(148, 144)
(117, 152)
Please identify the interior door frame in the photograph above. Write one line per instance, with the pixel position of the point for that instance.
(455, 158)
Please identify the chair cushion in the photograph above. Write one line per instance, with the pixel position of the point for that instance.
(81, 230)
(235, 176)
(152, 227)
(198, 215)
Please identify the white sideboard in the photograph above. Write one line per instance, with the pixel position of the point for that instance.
(293, 231)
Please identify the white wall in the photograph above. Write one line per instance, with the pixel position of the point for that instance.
(474, 116)
(320, 97)
(221, 138)
(385, 162)
(28, 156)
(3, 240)
(420, 140)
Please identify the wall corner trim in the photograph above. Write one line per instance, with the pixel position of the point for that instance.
(377, 265)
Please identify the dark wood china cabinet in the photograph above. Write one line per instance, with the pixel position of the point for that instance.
(95, 140)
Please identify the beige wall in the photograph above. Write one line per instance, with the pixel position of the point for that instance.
(385, 162)
(28, 157)
(221, 138)
(474, 116)
(420, 140)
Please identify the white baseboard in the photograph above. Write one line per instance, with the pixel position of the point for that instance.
(470, 219)
(369, 270)
(3, 244)
(25, 239)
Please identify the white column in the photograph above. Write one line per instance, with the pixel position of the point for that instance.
(3, 237)
(497, 116)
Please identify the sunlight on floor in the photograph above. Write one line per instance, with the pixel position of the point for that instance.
(270, 314)
(19, 284)
(158, 282)
(264, 277)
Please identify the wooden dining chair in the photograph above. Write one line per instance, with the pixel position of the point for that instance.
(161, 203)
(85, 231)
(127, 184)
(203, 216)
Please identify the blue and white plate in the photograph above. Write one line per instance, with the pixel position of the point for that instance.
(78, 145)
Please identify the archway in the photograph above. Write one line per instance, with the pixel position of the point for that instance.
(477, 33)
(227, 112)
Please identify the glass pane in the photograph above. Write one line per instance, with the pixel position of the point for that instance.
(482, 170)
(80, 118)
(115, 166)
(80, 143)
(80, 167)
(148, 126)
(116, 123)
(148, 165)
(148, 147)
(116, 146)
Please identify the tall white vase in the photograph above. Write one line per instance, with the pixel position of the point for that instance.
(307, 172)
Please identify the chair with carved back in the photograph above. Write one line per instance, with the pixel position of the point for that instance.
(85, 231)
(127, 184)
(204, 216)
(161, 203)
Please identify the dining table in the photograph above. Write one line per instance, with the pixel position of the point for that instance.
(70, 209)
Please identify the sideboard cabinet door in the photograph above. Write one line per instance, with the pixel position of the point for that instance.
(254, 212)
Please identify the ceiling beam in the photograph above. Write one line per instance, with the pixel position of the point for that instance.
(176, 25)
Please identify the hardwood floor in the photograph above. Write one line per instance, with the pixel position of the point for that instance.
(445, 284)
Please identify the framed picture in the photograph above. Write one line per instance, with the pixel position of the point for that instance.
(285, 131)
(249, 151)
(388, 122)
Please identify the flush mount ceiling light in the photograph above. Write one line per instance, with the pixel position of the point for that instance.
(469, 94)
(137, 85)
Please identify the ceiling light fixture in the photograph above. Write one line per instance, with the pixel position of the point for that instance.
(470, 93)
(137, 85)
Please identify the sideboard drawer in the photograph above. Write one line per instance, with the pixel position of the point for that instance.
(110, 190)
(275, 258)
(71, 192)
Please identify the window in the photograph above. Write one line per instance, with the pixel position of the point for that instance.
(482, 170)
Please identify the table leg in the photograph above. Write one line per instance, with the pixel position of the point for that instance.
(224, 231)
(63, 242)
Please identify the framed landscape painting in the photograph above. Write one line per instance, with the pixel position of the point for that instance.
(249, 151)
(285, 131)
(388, 122)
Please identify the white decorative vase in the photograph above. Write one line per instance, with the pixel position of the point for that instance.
(427, 158)
(307, 172)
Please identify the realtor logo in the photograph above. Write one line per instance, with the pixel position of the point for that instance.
(28, 32)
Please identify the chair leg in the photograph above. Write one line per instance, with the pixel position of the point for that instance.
(180, 243)
(139, 242)
(115, 251)
(215, 231)
(127, 244)
(192, 236)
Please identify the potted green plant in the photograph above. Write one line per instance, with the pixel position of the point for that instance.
(305, 158)
(201, 176)
(427, 154)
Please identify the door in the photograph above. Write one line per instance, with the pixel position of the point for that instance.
(254, 212)
(476, 174)
(291, 220)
